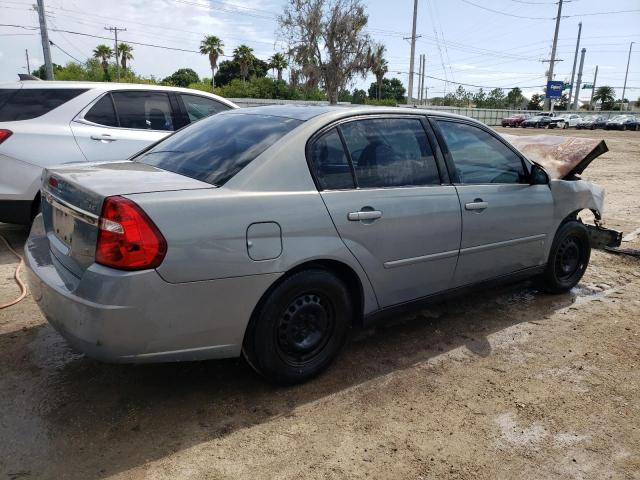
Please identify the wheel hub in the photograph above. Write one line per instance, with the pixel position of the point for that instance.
(568, 258)
(304, 325)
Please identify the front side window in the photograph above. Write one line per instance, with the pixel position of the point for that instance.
(390, 152)
(330, 162)
(143, 110)
(28, 103)
(479, 157)
(200, 107)
(216, 148)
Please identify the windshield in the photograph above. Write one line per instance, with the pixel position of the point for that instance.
(213, 150)
(617, 118)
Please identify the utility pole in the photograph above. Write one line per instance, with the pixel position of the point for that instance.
(624, 88)
(413, 51)
(593, 87)
(575, 100)
(115, 31)
(424, 67)
(420, 79)
(44, 37)
(26, 52)
(552, 62)
(575, 60)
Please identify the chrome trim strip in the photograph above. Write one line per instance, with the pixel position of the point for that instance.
(72, 210)
(423, 258)
(506, 243)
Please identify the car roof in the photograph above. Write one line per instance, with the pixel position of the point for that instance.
(307, 112)
(109, 86)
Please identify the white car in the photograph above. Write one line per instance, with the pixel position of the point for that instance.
(48, 123)
(570, 120)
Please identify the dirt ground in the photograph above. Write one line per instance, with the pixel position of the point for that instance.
(508, 383)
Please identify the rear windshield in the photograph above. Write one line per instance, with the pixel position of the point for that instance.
(214, 149)
(28, 103)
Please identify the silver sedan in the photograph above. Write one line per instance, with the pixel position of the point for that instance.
(268, 232)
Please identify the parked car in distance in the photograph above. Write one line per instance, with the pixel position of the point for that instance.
(537, 121)
(622, 122)
(515, 120)
(268, 232)
(49, 123)
(570, 120)
(591, 122)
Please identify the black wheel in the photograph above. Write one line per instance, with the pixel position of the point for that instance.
(568, 258)
(299, 328)
(593, 127)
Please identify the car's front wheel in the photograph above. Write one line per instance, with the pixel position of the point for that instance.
(568, 258)
(299, 327)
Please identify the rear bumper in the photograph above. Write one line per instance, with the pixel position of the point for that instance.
(136, 317)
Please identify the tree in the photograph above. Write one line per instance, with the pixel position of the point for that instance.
(536, 102)
(563, 103)
(379, 66)
(103, 53)
(515, 99)
(496, 98)
(244, 56)
(359, 96)
(182, 77)
(606, 96)
(327, 39)
(212, 46)
(278, 63)
(229, 70)
(125, 51)
(480, 98)
(392, 89)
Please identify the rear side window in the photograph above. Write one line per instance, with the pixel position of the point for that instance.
(103, 112)
(198, 107)
(28, 103)
(390, 152)
(216, 148)
(143, 110)
(479, 157)
(330, 162)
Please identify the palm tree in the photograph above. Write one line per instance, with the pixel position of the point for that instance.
(212, 46)
(104, 53)
(244, 56)
(378, 65)
(279, 63)
(606, 95)
(124, 50)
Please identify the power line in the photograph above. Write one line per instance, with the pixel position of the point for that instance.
(64, 51)
(504, 13)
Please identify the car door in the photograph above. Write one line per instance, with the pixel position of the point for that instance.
(505, 219)
(121, 123)
(380, 181)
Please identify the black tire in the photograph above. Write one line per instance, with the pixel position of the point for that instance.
(568, 258)
(593, 127)
(299, 328)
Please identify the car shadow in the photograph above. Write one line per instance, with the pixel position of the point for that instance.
(74, 417)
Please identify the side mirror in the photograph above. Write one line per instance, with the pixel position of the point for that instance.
(538, 175)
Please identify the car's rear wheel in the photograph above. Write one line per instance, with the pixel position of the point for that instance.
(300, 327)
(568, 258)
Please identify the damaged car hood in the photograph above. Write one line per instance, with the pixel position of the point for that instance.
(562, 157)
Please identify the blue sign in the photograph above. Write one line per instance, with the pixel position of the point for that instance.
(554, 90)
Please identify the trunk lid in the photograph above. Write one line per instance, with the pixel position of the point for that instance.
(562, 157)
(72, 198)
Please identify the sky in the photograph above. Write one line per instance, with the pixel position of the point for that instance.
(489, 43)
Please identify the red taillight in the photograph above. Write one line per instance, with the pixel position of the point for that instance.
(128, 239)
(4, 134)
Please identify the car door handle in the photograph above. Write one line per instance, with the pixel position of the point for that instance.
(103, 138)
(364, 215)
(477, 205)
